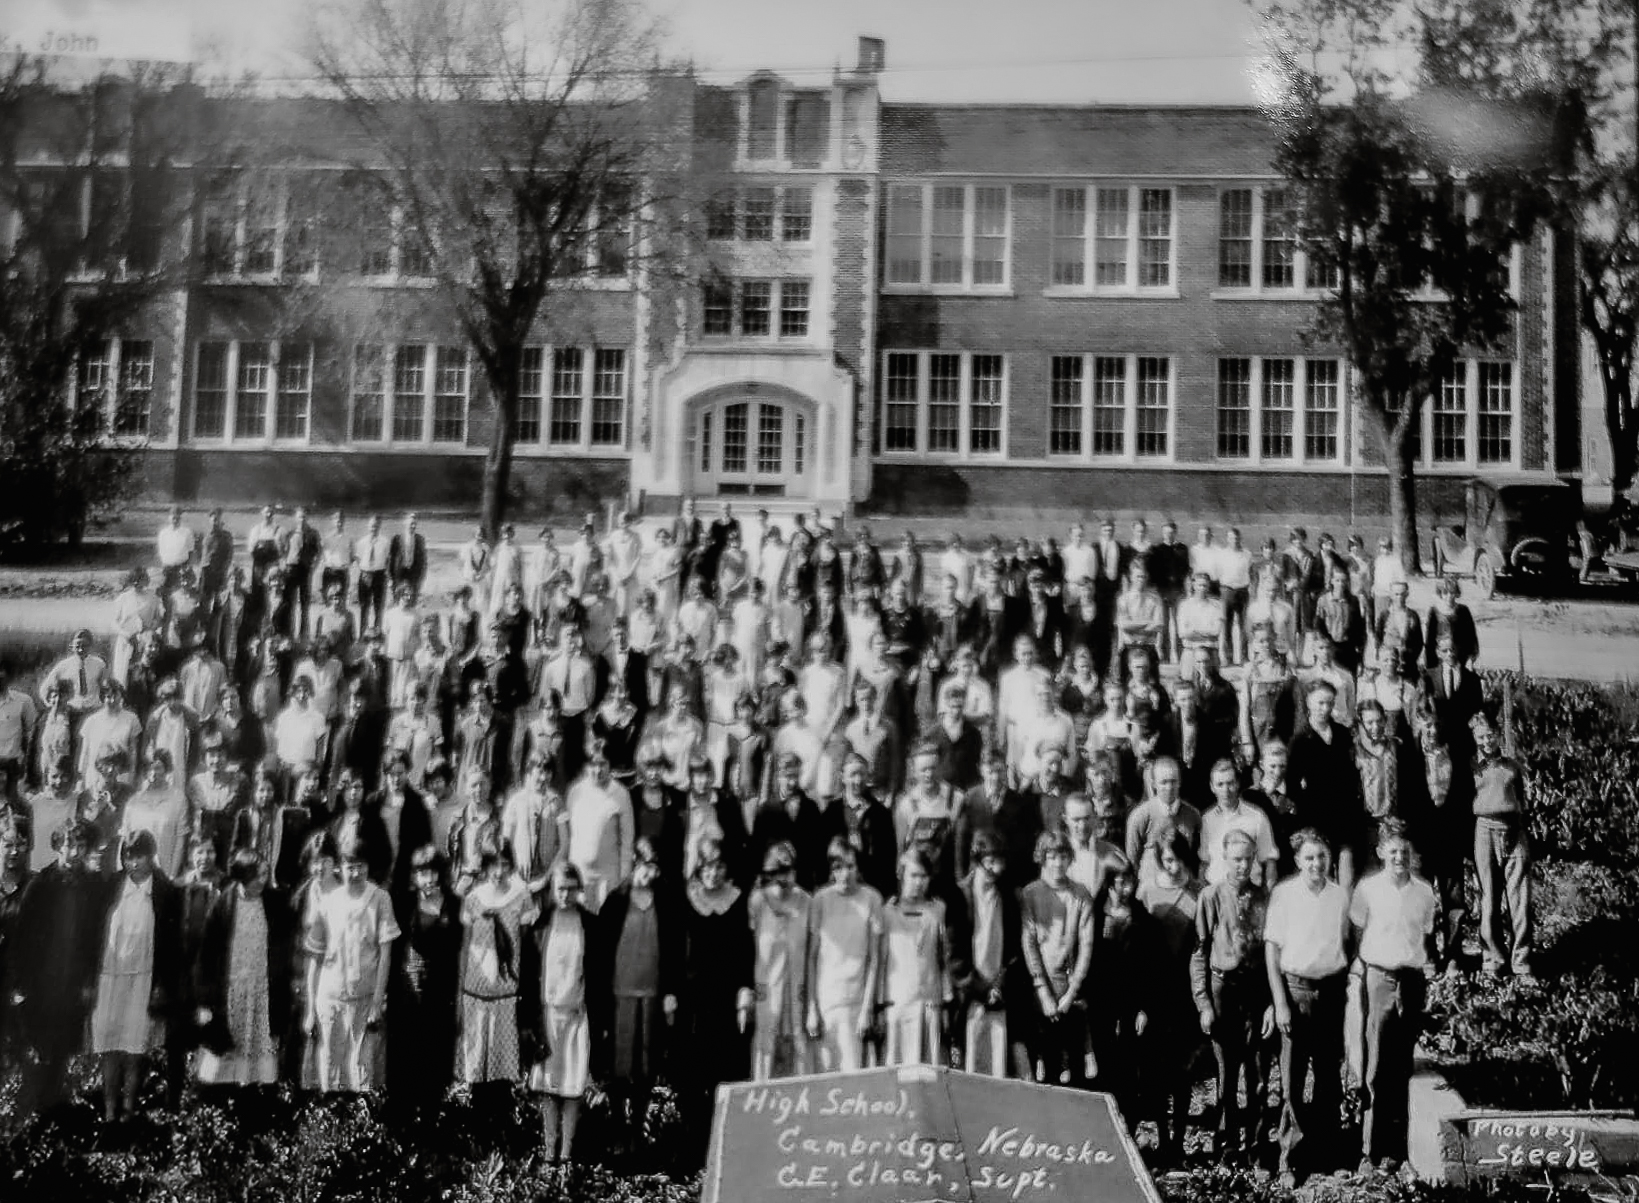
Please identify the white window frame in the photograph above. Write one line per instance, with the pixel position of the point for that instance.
(542, 445)
(1470, 368)
(1129, 435)
(112, 367)
(924, 282)
(389, 396)
(239, 203)
(1300, 412)
(784, 94)
(1300, 286)
(1131, 287)
(776, 299)
(964, 393)
(735, 199)
(277, 351)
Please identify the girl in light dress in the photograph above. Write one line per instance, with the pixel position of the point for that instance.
(771, 564)
(558, 954)
(321, 874)
(349, 943)
(733, 571)
(779, 913)
(416, 734)
(137, 967)
(235, 977)
(401, 635)
(544, 567)
(666, 576)
(725, 684)
(844, 947)
(495, 914)
(138, 615)
(916, 981)
(749, 627)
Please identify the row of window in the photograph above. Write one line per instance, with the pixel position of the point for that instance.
(403, 394)
(762, 214)
(1121, 407)
(764, 309)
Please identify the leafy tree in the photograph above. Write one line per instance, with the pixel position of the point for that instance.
(1407, 193)
(92, 193)
(527, 148)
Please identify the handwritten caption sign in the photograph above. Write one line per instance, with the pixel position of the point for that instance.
(1572, 1146)
(917, 1134)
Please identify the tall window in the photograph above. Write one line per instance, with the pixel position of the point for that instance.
(1154, 417)
(1297, 415)
(116, 380)
(252, 392)
(759, 214)
(1257, 249)
(1496, 414)
(1234, 409)
(948, 236)
(1065, 405)
(369, 391)
(450, 401)
(949, 403)
(763, 115)
(786, 127)
(756, 306)
(531, 380)
(1277, 418)
(1450, 444)
(794, 309)
(1109, 405)
(409, 394)
(796, 214)
(567, 385)
(609, 397)
(1124, 232)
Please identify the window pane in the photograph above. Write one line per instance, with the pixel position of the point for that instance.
(375, 243)
(1320, 275)
(250, 403)
(301, 230)
(609, 398)
(944, 402)
(756, 308)
(797, 214)
(794, 309)
(135, 402)
(807, 129)
(717, 309)
(94, 379)
(612, 238)
(946, 244)
(899, 403)
(450, 402)
(1235, 239)
(720, 215)
(1110, 238)
(985, 404)
(531, 381)
(1154, 406)
(1451, 417)
(770, 439)
(567, 375)
(295, 391)
(210, 396)
(1064, 406)
(409, 394)
(1278, 415)
(219, 233)
(799, 443)
(261, 228)
(734, 437)
(1279, 249)
(1321, 409)
(705, 441)
(369, 389)
(1234, 408)
(1069, 231)
(989, 235)
(1154, 237)
(759, 214)
(905, 234)
(1109, 405)
(764, 98)
(1496, 424)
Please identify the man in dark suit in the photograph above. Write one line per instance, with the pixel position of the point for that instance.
(1044, 615)
(1113, 560)
(827, 618)
(621, 660)
(407, 821)
(1457, 695)
(688, 533)
(407, 557)
(356, 742)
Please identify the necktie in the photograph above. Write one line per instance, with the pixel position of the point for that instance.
(1451, 682)
(85, 685)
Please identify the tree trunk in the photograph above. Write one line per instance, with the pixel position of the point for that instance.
(1620, 428)
(503, 383)
(1394, 431)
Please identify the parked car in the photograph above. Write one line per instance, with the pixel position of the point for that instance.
(1513, 528)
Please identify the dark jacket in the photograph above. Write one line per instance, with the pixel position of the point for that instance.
(407, 560)
(611, 919)
(1013, 980)
(209, 971)
(876, 844)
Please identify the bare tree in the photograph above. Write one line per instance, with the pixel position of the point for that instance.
(526, 147)
(1407, 191)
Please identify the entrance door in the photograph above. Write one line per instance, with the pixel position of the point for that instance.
(751, 448)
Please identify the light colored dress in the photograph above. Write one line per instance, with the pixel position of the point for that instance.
(120, 1022)
(136, 613)
(488, 1048)
(252, 1060)
(350, 934)
(914, 978)
(568, 1066)
(779, 931)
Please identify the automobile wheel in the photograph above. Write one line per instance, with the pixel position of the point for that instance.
(1485, 576)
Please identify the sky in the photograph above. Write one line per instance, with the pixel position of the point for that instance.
(1064, 51)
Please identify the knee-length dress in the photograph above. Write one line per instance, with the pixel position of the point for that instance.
(566, 1069)
(350, 934)
(495, 918)
(120, 1022)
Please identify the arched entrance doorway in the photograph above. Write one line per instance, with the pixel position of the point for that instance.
(752, 446)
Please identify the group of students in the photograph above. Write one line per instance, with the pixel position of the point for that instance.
(701, 806)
